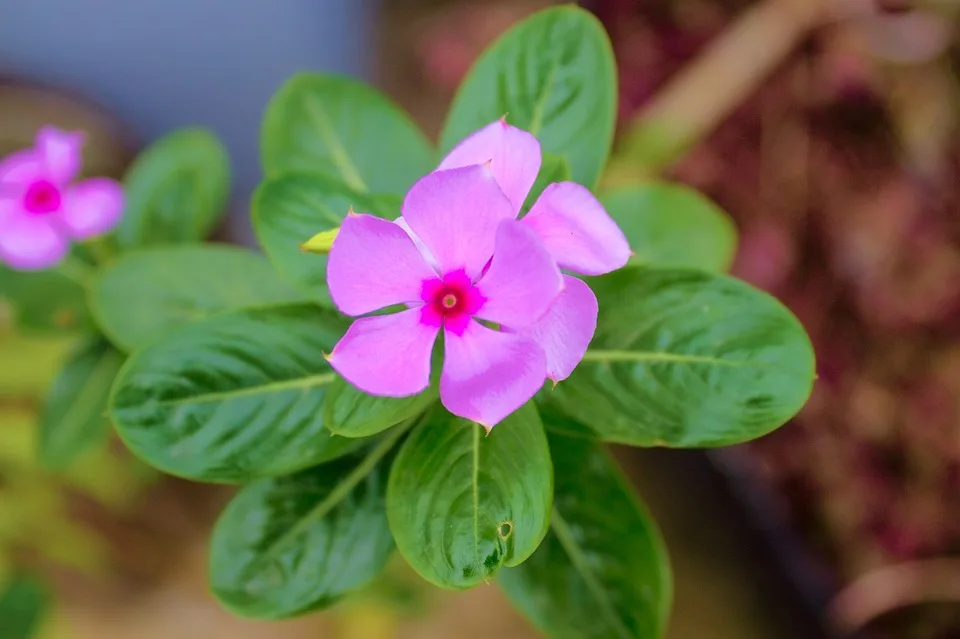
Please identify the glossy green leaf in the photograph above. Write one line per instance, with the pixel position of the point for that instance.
(687, 359)
(289, 545)
(553, 169)
(461, 503)
(23, 602)
(176, 190)
(51, 301)
(552, 74)
(73, 418)
(232, 398)
(602, 572)
(345, 129)
(150, 292)
(673, 225)
(350, 412)
(291, 208)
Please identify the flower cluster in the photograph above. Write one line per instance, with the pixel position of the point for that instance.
(462, 262)
(42, 208)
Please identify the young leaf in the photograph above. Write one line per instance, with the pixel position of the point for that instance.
(553, 75)
(73, 418)
(461, 503)
(150, 292)
(673, 225)
(350, 412)
(176, 190)
(290, 208)
(346, 130)
(44, 301)
(602, 572)
(233, 398)
(687, 359)
(23, 601)
(286, 546)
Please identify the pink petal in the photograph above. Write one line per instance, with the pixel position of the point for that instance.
(386, 355)
(566, 330)
(20, 169)
(577, 230)
(456, 214)
(373, 263)
(487, 374)
(513, 153)
(424, 251)
(523, 280)
(29, 242)
(92, 207)
(60, 152)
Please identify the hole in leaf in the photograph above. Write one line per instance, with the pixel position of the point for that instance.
(505, 529)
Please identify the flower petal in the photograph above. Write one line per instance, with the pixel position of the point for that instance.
(92, 207)
(20, 169)
(373, 263)
(386, 355)
(424, 251)
(513, 153)
(577, 230)
(456, 214)
(60, 152)
(29, 242)
(523, 280)
(566, 330)
(488, 374)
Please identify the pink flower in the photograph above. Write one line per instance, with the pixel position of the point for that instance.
(458, 255)
(42, 209)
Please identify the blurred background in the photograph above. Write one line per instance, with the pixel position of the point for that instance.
(826, 128)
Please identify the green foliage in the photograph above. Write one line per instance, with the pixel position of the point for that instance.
(463, 503)
(673, 225)
(346, 130)
(73, 418)
(176, 190)
(553, 75)
(687, 359)
(23, 602)
(148, 293)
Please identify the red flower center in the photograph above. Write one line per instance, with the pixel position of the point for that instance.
(450, 301)
(41, 197)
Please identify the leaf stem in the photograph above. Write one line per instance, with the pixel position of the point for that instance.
(75, 269)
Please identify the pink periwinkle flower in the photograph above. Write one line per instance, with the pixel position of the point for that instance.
(458, 257)
(41, 207)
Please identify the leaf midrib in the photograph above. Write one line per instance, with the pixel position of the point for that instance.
(613, 355)
(562, 530)
(339, 155)
(339, 492)
(320, 379)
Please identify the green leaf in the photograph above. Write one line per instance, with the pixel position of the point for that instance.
(286, 546)
(603, 571)
(232, 398)
(291, 208)
(461, 504)
(23, 602)
(73, 419)
(552, 74)
(51, 301)
(552, 169)
(673, 225)
(687, 359)
(176, 190)
(350, 412)
(345, 129)
(148, 293)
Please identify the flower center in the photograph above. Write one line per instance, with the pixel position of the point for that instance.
(450, 301)
(41, 197)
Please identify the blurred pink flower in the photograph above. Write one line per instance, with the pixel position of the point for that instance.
(41, 207)
(458, 255)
